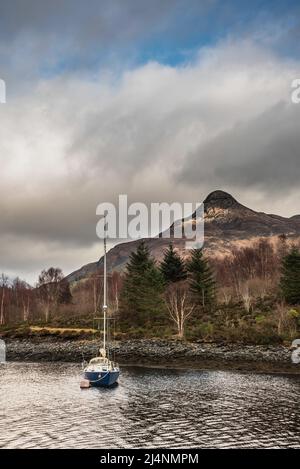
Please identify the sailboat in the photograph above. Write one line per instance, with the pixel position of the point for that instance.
(101, 371)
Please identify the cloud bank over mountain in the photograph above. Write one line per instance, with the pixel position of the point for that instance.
(78, 129)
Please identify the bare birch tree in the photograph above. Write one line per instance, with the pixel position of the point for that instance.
(3, 285)
(178, 305)
(246, 297)
(49, 288)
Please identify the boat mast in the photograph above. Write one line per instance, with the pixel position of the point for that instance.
(104, 293)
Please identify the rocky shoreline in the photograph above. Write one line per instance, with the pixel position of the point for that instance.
(256, 358)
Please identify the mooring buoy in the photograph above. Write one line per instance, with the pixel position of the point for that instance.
(84, 384)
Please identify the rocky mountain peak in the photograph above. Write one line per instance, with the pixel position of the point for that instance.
(228, 225)
(220, 199)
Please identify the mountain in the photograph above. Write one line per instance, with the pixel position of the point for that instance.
(227, 224)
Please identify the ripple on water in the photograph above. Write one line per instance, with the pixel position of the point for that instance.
(42, 406)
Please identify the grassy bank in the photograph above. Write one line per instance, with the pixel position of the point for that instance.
(265, 323)
(56, 333)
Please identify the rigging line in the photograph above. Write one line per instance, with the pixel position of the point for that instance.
(100, 379)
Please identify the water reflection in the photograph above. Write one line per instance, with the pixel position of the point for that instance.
(41, 405)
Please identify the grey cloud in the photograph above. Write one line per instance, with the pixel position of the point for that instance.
(50, 38)
(73, 142)
(61, 35)
(96, 22)
(263, 153)
(26, 257)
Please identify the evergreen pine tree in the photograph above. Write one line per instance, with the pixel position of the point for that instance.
(172, 266)
(141, 295)
(202, 283)
(290, 279)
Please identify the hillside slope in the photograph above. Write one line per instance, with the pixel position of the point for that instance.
(228, 224)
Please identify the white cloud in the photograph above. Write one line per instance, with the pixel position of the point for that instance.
(70, 143)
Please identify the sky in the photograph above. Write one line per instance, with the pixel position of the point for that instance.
(164, 101)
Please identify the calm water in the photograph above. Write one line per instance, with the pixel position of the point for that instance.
(42, 406)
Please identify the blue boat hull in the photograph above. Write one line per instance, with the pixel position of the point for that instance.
(103, 378)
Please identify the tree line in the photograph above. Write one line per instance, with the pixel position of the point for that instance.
(195, 288)
(174, 287)
(255, 290)
(19, 302)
